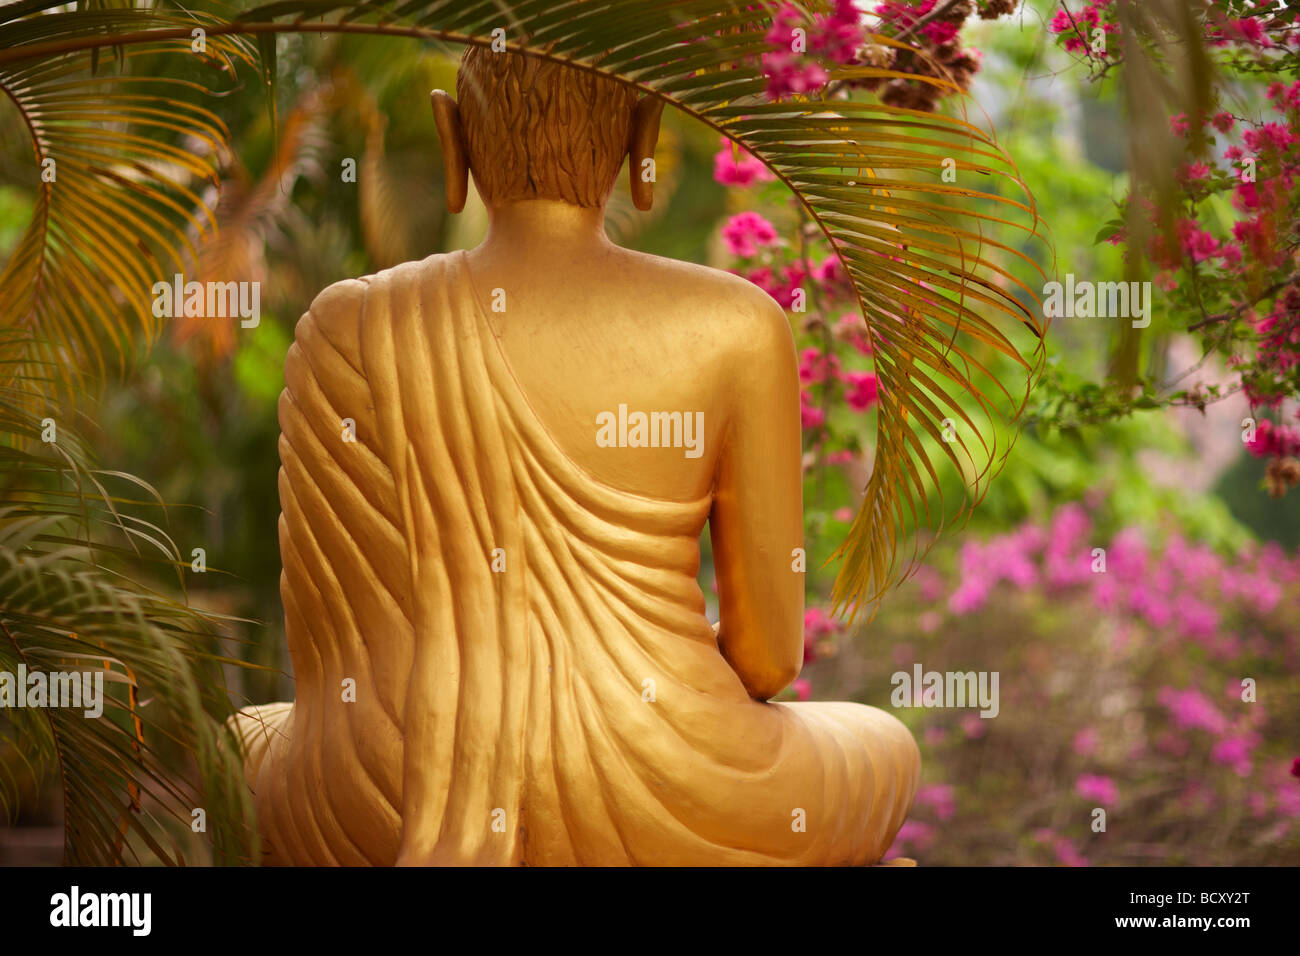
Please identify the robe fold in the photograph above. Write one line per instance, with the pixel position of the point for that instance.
(534, 680)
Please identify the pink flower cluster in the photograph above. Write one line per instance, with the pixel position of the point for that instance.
(818, 627)
(1274, 440)
(746, 232)
(1259, 173)
(861, 389)
(1182, 591)
(793, 67)
(1097, 788)
(1079, 27)
(1278, 348)
(1189, 605)
(735, 166)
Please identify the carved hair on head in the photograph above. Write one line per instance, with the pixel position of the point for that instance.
(535, 129)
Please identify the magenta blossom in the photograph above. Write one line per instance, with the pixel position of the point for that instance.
(734, 166)
(790, 73)
(863, 391)
(810, 416)
(1094, 787)
(746, 232)
(1192, 709)
(1235, 752)
(815, 366)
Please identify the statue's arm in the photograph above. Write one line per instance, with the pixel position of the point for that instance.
(757, 517)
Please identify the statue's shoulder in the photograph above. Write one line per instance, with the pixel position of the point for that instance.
(338, 309)
(343, 298)
(332, 321)
(729, 308)
(699, 283)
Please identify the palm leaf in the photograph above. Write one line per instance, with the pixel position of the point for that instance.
(160, 750)
(120, 162)
(933, 286)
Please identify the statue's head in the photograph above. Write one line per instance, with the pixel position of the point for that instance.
(528, 128)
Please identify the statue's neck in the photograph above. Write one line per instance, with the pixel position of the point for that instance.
(544, 227)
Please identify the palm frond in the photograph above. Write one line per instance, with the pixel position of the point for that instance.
(132, 778)
(119, 164)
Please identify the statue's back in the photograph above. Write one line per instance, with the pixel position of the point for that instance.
(500, 656)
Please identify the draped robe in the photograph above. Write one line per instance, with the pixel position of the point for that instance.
(570, 706)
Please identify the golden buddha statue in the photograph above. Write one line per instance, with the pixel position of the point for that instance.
(496, 467)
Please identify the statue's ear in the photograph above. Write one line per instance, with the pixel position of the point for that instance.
(642, 137)
(455, 158)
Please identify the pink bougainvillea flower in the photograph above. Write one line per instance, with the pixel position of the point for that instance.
(1197, 242)
(818, 623)
(817, 626)
(739, 167)
(1269, 137)
(1192, 709)
(791, 282)
(1235, 752)
(863, 390)
(1178, 124)
(1274, 440)
(746, 232)
(970, 596)
(810, 416)
(816, 367)
(785, 21)
(940, 32)
(1062, 22)
(790, 73)
(838, 36)
(802, 688)
(1247, 30)
(1094, 787)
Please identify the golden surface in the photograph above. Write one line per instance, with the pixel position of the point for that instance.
(515, 606)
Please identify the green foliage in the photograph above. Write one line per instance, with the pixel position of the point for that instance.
(130, 778)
